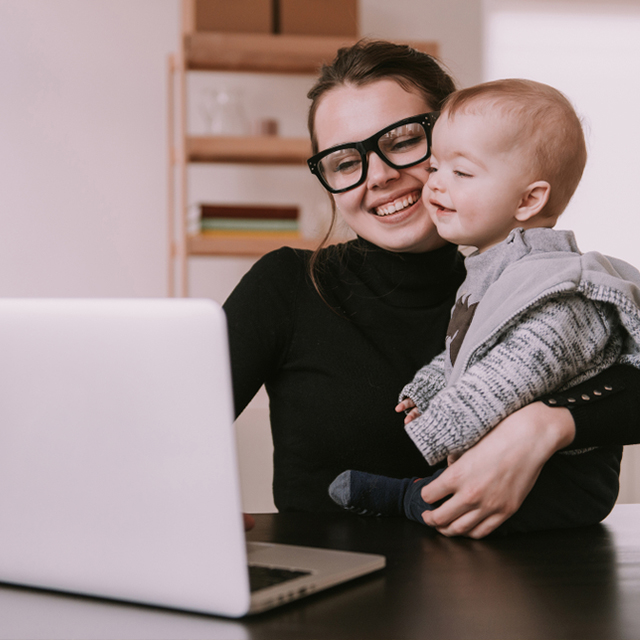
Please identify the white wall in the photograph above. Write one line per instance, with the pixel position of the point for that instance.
(82, 146)
(455, 24)
(589, 50)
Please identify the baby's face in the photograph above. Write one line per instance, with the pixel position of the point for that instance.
(476, 181)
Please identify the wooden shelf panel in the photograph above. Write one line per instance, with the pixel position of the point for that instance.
(248, 149)
(244, 244)
(258, 52)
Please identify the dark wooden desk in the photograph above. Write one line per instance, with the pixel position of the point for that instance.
(564, 584)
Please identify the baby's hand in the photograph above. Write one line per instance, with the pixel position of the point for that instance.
(408, 406)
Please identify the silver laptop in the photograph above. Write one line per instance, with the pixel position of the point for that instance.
(118, 469)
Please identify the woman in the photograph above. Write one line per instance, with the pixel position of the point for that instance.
(335, 335)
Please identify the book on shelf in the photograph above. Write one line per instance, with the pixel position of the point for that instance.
(249, 211)
(247, 224)
(248, 218)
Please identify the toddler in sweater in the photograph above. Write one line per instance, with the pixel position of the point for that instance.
(533, 316)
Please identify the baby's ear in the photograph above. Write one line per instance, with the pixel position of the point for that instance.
(533, 200)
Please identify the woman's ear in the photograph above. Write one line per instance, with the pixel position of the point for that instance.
(533, 200)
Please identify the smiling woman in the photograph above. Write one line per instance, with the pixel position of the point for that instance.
(335, 335)
(384, 207)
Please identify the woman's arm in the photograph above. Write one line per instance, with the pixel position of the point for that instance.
(260, 313)
(605, 409)
(489, 482)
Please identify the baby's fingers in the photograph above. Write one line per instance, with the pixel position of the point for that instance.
(412, 415)
(406, 404)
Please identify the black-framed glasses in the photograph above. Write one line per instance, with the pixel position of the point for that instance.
(401, 145)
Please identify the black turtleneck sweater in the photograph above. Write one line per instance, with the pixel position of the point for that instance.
(333, 368)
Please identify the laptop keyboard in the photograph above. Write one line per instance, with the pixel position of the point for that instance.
(261, 577)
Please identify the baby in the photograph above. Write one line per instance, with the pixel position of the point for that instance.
(534, 315)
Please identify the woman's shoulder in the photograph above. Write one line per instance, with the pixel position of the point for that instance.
(281, 275)
(279, 272)
(284, 258)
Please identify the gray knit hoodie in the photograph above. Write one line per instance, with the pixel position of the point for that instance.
(533, 316)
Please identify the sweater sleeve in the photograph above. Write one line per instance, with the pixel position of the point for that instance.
(426, 384)
(548, 348)
(260, 316)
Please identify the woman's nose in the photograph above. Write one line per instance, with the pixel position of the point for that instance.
(379, 173)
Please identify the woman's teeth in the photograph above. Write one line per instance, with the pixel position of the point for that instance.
(396, 205)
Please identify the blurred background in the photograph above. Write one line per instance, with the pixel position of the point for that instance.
(84, 145)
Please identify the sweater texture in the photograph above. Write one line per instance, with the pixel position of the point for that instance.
(535, 315)
(333, 369)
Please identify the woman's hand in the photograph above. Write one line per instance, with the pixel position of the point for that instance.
(489, 482)
(249, 522)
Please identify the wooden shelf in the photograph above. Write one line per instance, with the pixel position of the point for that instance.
(248, 149)
(261, 52)
(244, 244)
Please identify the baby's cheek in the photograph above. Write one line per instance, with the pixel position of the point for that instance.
(426, 193)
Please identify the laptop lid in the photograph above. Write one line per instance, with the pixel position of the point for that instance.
(118, 469)
(117, 455)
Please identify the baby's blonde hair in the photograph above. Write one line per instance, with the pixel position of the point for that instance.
(545, 126)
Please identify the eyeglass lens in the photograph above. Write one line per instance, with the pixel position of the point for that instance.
(402, 146)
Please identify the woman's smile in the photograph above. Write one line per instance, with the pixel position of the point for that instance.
(397, 205)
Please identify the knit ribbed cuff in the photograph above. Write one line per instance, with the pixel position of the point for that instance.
(422, 391)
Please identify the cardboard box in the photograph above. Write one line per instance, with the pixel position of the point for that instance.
(318, 17)
(237, 16)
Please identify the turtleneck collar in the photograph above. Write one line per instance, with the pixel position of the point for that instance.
(405, 279)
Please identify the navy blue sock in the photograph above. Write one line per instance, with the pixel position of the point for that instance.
(370, 494)
(413, 503)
